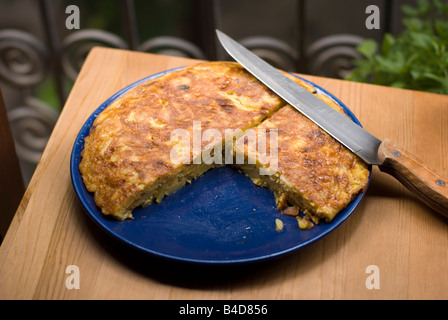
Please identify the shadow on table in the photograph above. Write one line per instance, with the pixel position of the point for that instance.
(231, 276)
(192, 275)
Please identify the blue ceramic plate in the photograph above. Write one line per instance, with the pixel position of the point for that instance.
(220, 218)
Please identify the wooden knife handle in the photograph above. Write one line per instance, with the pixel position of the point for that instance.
(422, 181)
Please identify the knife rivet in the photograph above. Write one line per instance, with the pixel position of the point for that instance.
(440, 183)
(397, 153)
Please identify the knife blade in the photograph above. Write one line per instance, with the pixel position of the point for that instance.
(429, 186)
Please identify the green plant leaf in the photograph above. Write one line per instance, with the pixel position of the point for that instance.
(432, 77)
(368, 48)
(415, 59)
(441, 28)
(421, 40)
(441, 6)
(424, 7)
(388, 43)
(409, 10)
(399, 84)
(413, 24)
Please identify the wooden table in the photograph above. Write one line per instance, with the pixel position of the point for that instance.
(407, 242)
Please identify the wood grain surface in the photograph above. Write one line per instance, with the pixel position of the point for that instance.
(391, 230)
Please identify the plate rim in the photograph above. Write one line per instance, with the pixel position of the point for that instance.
(74, 171)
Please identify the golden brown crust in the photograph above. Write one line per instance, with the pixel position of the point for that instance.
(314, 165)
(128, 149)
(126, 161)
(314, 171)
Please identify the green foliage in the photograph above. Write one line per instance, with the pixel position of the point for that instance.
(417, 58)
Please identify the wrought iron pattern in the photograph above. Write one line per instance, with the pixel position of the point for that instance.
(31, 125)
(26, 61)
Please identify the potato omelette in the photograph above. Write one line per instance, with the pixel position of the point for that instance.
(127, 160)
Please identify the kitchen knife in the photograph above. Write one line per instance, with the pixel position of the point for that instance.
(424, 182)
